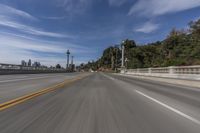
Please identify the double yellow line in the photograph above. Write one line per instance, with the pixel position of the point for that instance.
(24, 98)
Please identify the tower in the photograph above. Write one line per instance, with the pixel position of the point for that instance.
(29, 63)
(68, 53)
(123, 47)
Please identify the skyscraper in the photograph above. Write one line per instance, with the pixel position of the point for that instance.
(23, 63)
(29, 63)
(68, 53)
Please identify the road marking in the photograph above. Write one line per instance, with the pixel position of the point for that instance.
(111, 78)
(27, 97)
(170, 108)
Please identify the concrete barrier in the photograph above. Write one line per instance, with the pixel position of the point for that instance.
(179, 72)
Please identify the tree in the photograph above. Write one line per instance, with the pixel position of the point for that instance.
(179, 48)
(58, 66)
(173, 39)
(195, 27)
(129, 44)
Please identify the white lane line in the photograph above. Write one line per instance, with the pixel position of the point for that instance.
(111, 78)
(170, 108)
(23, 79)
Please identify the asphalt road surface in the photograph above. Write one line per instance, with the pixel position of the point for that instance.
(105, 103)
(14, 86)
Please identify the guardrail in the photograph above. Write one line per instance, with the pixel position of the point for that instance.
(184, 72)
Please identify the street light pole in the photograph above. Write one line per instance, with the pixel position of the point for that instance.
(122, 65)
(116, 59)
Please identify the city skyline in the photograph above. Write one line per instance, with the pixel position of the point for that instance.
(45, 31)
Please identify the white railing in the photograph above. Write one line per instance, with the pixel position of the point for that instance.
(185, 72)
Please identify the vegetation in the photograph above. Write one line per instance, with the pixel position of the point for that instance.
(179, 48)
(58, 66)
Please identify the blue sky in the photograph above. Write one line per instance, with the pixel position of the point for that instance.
(43, 30)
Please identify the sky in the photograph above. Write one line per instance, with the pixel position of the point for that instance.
(43, 30)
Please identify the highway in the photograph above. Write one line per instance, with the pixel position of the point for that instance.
(14, 86)
(100, 103)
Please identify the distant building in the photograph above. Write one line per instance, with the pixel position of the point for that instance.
(72, 67)
(29, 63)
(23, 63)
(36, 64)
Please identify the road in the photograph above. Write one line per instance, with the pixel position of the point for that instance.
(107, 103)
(14, 86)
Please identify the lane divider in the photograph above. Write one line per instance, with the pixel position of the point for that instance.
(24, 98)
(170, 108)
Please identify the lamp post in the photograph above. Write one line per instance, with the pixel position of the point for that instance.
(123, 49)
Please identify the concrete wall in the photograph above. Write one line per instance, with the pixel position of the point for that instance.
(180, 72)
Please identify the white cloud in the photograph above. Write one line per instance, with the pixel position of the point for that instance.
(54, 18)
(15, 48)
(23, 45)
(79, 6)
(75, 6)
(7, 10)
(116, 2)
(10, 40)
(29, 29)
(28, 45)
(148, 27)
(160, 7)
(8, 17)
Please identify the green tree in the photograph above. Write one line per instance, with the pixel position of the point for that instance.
(195, 28)
(58, 66)
(179, 48)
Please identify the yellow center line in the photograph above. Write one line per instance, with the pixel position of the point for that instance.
(24, 98)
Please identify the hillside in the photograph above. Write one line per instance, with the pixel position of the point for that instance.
(181, 47)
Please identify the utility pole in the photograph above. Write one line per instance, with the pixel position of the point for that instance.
(68, 53)
(116, 61)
